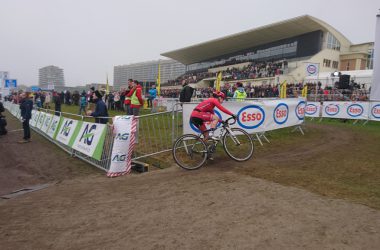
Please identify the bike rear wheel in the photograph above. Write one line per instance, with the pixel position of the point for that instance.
(238, 145)
(190, 152)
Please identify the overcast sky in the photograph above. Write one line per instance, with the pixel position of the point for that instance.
(87, 38)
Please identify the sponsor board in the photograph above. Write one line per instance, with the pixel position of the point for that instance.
(66, 131)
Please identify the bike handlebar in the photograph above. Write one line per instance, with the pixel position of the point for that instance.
(231, 118)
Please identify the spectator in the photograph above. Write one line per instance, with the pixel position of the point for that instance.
(152, 95)
(239, 93)
(82, 103)
(186, 93)
(100, 113)
(127, 101)
(26, 107)
(136, 99)
(57, 103)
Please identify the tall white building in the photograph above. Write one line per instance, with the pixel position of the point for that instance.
(147, 72)
(51, 75)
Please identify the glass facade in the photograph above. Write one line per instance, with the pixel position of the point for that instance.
(332, 42)
(147, 72)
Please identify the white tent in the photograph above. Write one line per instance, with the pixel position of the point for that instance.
(358, 76)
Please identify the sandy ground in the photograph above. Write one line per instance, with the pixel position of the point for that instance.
(218, 207)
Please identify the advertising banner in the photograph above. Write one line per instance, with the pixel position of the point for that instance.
(46, 123)
(54, 126)
(41, 120)
(313, 109)
(121, 158)
(312, 69)
(68, 128)
(255, 116)
(375, 111)
(90, 139)
(35, 115)
(345, 110)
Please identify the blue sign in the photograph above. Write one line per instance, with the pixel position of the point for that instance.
(35, 88)
(10, 83)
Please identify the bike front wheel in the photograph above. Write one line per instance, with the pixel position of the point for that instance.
(238, 144)
(189, 152)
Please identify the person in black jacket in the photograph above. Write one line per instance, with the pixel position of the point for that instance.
(186, 93)
(100, 108)
(26, 107)
(3, 122)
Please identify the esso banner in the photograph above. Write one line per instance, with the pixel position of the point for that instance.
(313, 109)
(345, 110)
(254, 116)
(375, 111)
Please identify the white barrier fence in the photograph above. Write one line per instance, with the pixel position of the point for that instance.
(344, 110)
(255, 116)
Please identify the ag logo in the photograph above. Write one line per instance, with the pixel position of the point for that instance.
(376, 111)
(280, 113)
(332, 109)
(66, 128)
(87, 134)
(206, 123)
(300, 110)
(355, 110)
(251, 117)
(119, 158)
(53, 125)
(47, 121)
(311, 109)
(122, 137)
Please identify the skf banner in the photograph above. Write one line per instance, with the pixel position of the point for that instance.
(66, 131)
(255, 116)
(54, 126)
(90, 139)
(345, 110)
(312, 69)
(313, 109)
(375, 111)
(121, 158)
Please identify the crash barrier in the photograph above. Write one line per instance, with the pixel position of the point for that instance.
(94, 143)
(369, 111)
(154, 133)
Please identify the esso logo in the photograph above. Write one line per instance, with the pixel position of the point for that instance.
(281, 113)
(300, 110)
(376, 111)
(355, 110)
(311, 109)
(311, 69)
(251, 117)
(332, 109)
(206, 123)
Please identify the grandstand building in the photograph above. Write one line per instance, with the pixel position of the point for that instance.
(285, 48)
(147, 72)
(51, 76)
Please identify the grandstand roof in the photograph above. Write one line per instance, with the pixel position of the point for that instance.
(250, 38)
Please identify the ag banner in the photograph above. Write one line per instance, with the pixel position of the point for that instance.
(121, 158)
(33, 122)
(47, 121)
(54, 126)
(41, 120)
(66, 131)
(90, 139)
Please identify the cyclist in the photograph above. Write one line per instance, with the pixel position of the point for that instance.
(204, 112)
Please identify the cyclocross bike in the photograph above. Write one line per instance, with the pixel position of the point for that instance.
(191, 151)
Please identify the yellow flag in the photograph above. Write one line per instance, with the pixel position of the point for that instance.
(107, 86)
(159, 80)
(304, 91)
(283, 89)
(218, 80)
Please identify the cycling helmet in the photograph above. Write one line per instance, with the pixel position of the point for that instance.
(217, 94)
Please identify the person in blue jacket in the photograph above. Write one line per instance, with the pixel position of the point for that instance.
(100, 109)
(26, 106)
(152, 95)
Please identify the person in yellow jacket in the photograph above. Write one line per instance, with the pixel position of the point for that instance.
(239, 93)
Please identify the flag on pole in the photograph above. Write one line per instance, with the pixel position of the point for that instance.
(218, 80)
(283, 89)
(159, 80)
(107, 87)
(304, 91)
